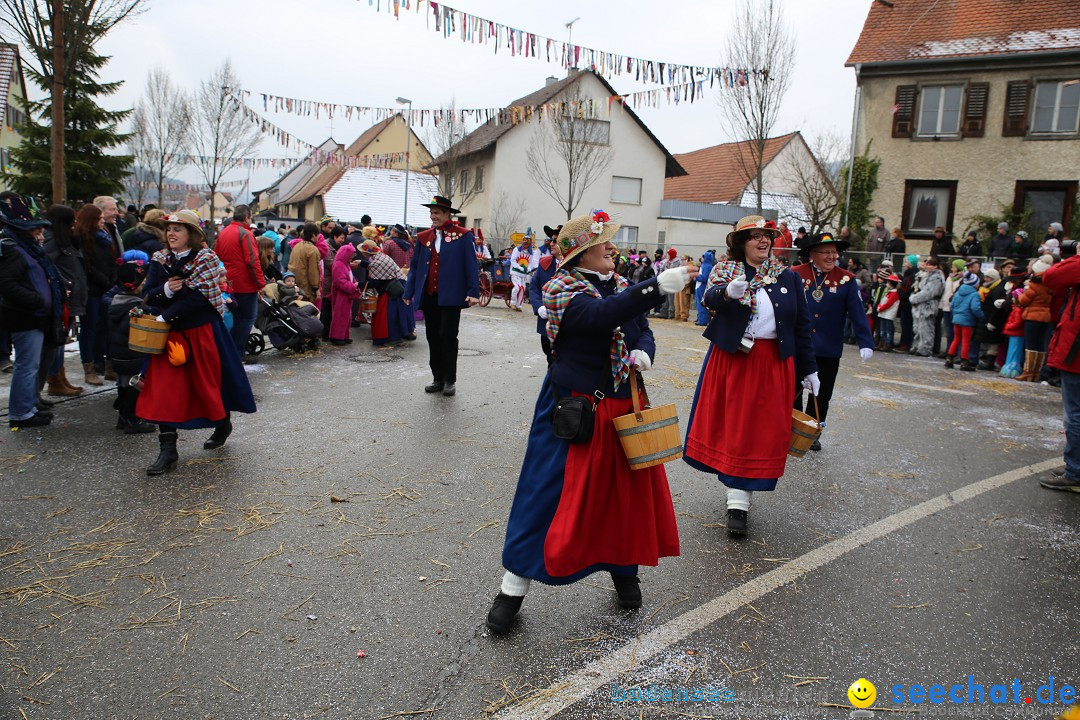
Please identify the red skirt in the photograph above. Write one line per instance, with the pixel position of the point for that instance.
(740, 424)
(380, 329)
(608, 513)
(175, 395)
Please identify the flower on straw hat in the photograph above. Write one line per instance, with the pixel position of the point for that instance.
(585, 231)
(188, 218)
(369, 246)
(370, 232)
(749, 223)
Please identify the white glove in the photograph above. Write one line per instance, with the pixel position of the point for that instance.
(737, 287)
(812, 383)
(865, 354)
(542, 311)
(640, 359)
(999, 302)
(673, 280)
(990, 327)
(160, 319)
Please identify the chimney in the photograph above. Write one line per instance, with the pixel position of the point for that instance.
(551, 80)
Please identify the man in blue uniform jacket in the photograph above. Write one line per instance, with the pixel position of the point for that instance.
(832, 295)
(443, 279)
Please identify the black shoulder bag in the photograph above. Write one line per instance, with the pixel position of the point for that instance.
(573, 417)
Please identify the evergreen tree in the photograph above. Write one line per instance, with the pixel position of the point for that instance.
(90, 133)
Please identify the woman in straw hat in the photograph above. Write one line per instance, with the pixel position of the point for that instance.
(200, 379)
(740, 422)
(579, 508)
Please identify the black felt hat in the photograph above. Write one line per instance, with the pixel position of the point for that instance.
(442, 203)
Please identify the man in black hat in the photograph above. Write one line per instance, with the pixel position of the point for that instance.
(443, 278)
(832, 296)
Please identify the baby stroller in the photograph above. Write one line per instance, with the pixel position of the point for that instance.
(295, 327)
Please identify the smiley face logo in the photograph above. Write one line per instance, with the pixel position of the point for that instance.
(862, 693)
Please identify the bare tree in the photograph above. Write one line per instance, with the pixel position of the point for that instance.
(507, 212)
(57, 32)
(163, 119)
(222, 135)
(139, 181)
(568, 154)
(446, 140)
(817, 177)
(759, 42)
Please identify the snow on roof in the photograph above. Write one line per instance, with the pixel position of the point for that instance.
(1029, 41)
(380, 193)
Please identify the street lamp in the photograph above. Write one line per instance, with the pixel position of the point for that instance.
(408, 149)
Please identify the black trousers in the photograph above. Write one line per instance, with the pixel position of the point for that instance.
(827, 368)
(441, 330)
(326, 316)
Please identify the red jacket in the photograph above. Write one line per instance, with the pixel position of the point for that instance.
(1064, 278)
(238, 249)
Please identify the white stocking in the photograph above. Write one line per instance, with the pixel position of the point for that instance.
(515, 585)
(738, 499)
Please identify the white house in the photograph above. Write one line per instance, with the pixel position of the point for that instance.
(723, 174)
(492, 164)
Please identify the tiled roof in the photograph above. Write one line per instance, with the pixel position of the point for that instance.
(380, 193)
(489, 133)
(913, 30)
(716, 174)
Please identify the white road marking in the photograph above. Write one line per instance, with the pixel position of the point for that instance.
(915, 385)
(578, 685)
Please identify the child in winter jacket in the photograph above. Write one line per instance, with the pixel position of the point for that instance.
(126, 362)
(1036, 315)
(1014, 326)
(886, 313)
(966, 313)
(288, 292)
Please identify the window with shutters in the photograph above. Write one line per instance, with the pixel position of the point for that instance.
(1017, 96)
(1057, 107)
(939, 110)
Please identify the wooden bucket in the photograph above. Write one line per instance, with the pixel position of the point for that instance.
(369, 300)
(648, 436)
(147, 335)
(804, 431)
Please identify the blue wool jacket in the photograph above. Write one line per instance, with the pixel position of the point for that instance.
(966, 307)
(546, 271)
(459, 272)
(583, 346)
(731, 318)
(840, 299)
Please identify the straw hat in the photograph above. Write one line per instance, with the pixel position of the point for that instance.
(584, 231)
(748, 223)
(368, 246)
(187, 218)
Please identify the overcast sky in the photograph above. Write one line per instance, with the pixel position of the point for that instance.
(344, 51)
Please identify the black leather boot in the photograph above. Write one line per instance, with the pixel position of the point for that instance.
(132, 425)
(221, 434)
(502, 613)
(167, 456)
(736, 522)
(628, 589)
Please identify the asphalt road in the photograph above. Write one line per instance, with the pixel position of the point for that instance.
(337, 557)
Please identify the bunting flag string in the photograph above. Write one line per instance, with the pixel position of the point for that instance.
(671, 94)
(471, 29)
(316, 157)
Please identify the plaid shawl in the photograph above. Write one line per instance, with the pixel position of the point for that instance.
(727, 270)
(207, 275)
(382, 267)
(558, 293)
